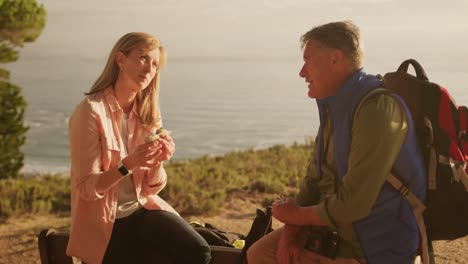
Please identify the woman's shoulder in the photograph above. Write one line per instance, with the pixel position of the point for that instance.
(89, 104)
(93, 102)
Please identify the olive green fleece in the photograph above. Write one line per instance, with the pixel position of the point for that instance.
(378, 132)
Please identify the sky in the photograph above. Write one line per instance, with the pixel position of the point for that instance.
(244, 28)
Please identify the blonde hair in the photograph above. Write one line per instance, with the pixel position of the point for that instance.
(343, 35)
(148, 98)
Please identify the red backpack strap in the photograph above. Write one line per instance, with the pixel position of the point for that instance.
(463, 133)
(449, 123)
(463, 117)
(446, 117)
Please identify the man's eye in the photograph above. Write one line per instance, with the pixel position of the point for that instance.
(143, 58)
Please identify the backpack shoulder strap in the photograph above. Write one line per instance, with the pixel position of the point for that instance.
(418, 209)
(416, 204)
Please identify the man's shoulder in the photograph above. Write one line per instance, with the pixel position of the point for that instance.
(380, 109)
(380, 99)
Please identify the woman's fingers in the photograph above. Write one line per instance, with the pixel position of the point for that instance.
(169, 142)
(167, 138)
(153, 153)
(155, 161)
(168, 147)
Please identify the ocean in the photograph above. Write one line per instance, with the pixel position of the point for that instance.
(232, 79)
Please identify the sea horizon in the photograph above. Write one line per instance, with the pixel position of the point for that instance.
(232, 79)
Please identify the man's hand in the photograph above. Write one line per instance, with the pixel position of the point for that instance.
(290, 244)
(286, 211)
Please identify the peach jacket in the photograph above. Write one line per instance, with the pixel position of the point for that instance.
(94, 131)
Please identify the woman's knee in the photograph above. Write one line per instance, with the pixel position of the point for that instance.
(198, 249)
(199, 255)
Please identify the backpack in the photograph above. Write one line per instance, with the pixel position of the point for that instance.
(441, 127)
(215, 236)
(442, 131)
(261, 226)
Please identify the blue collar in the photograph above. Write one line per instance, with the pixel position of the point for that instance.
(344, 91)
(348, 86)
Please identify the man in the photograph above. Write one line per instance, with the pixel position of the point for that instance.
(356, 149)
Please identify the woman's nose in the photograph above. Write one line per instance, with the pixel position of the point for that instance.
(148, 67)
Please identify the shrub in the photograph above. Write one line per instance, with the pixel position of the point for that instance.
(44, 194)
(198, 186)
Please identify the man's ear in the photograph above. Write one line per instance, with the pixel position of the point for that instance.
(337, 56)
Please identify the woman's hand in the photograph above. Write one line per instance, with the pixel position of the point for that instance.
(168, 146)
(147, 155)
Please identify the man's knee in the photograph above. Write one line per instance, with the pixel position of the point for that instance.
(257, 254)
(251, 253)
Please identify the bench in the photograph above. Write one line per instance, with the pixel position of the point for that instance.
(53, 244)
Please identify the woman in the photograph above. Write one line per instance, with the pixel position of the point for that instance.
(117, 215)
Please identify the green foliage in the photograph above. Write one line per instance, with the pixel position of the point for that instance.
(199, 186)
(37, 195)
(21, 21)
(202, 185)
(12, 130)
(7, 53)
(4, 74)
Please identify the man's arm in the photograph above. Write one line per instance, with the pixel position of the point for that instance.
(378, 132)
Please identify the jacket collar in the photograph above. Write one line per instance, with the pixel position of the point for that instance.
(347, 88)
(114, 104)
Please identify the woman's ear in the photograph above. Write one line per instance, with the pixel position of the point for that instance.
(120, 59)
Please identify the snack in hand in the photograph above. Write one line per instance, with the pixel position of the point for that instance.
(155, 136)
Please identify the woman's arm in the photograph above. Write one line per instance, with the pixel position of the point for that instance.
(87, 175)
(156, 178)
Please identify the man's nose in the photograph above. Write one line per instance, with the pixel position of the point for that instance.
(302, 72)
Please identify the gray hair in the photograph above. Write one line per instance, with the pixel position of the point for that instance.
(343, 35)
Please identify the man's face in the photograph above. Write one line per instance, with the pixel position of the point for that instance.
(318, 70)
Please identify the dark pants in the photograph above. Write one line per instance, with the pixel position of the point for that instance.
(156, 235)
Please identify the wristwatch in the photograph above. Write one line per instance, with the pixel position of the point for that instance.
(123, 170)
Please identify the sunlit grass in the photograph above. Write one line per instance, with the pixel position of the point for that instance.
(198, 186)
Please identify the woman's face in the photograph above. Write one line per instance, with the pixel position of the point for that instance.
(139, 67)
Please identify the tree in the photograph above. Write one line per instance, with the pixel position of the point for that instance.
(12, 130)
(20, 21)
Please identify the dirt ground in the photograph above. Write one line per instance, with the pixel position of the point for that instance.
(18, 236)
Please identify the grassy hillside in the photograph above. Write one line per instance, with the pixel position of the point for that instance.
(198, 186)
